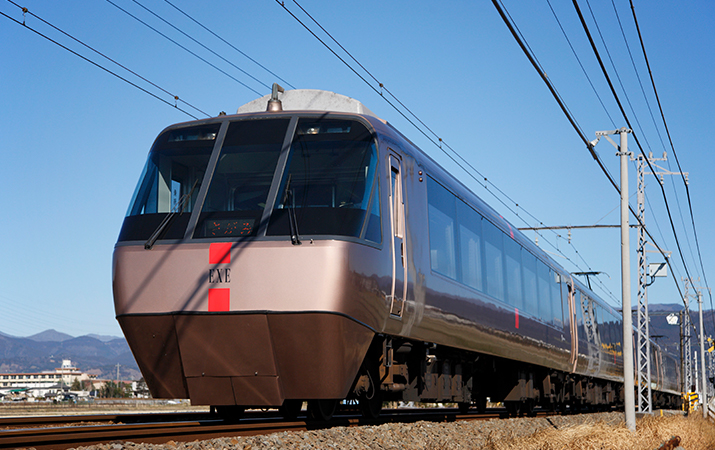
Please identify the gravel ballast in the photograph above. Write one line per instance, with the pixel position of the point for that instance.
(473, 434)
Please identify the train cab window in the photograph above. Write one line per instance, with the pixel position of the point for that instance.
(329, 182)
(470, 245)
(442, 217)
(170, 182)
(239, 187)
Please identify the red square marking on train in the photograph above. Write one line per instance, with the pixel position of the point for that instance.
(516, 317)
(220, 253)
(219, 300)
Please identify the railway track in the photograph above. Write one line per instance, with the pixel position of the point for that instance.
(73, 431)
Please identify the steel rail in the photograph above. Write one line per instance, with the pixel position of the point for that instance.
(160, 432)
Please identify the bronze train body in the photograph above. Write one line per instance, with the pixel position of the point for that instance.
(315, 254)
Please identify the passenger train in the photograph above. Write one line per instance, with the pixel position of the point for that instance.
(304, 250)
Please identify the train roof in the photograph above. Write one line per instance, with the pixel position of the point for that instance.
(309, 100)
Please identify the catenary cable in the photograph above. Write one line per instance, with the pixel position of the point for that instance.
(439, 142)
(202, 45)
(184, 48)
(670, 139)
(98, 65)
(589, 146)
(175, 97)
(228, 43)
(635, 137)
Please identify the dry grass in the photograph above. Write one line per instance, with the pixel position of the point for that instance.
(651, 432)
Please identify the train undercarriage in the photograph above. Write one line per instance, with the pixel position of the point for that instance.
(401, 370)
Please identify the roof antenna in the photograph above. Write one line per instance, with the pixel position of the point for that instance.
(274, 104)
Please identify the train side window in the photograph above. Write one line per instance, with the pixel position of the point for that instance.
(531, 298)
(545, 307)
(494, 259)
(470, 245)
(513, 250)
(442, 215)
(556, 306)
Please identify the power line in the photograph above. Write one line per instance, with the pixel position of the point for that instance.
(580, 64)
(436, 140)
(228, 43)
(175, 97)
(625, 116)
(202, 45)
(500, 8)
(184, 48)
(97, 65)
(670, 139)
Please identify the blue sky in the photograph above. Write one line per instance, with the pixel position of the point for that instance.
(74, 138)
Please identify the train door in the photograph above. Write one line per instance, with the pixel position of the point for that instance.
(569, 296)
(399, 249)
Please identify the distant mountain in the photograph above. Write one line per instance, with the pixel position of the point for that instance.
(46, 350)
(103, 337)
(50, 336)
(668, 336)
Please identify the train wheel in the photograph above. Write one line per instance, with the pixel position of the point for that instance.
(464, 407)
(290, 409)
(481, 403)
(322, 410)
(513, 408)
(370, 402)
(370, 407)
(528, 408)
(231, 413)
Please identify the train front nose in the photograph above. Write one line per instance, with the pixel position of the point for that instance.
(249, 359)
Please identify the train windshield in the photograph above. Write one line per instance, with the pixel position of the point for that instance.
(329, 182)
(239, 188)
(170, 182)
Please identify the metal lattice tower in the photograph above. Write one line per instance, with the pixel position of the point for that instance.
(643, 338)
(687, 349)
(643, 363)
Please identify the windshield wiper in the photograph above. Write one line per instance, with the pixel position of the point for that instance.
(169, 218)
(292, 220)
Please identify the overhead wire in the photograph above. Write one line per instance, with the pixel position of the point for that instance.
(635, 137)
(645, 98)
(618, 77)
(184, 48)
(598, 96)
(175, 97)
(507, 20)
(97, 65)
(435, 139)
(670, 140)
(229, 44)
(202, 45)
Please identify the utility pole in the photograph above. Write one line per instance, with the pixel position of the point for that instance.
(628, 376)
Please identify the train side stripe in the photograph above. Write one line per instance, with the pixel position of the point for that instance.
(516, 317)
